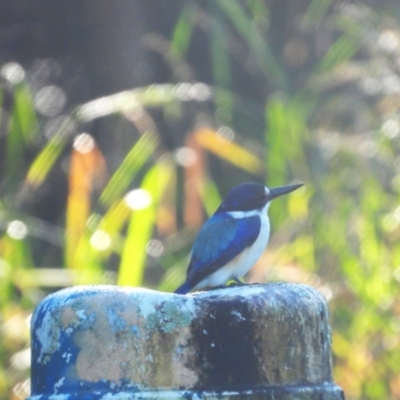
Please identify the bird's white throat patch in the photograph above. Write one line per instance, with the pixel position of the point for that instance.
(246, 214)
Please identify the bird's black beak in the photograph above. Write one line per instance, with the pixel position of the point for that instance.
(280, 191)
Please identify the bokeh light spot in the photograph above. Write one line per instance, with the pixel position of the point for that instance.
(326, 291)
(391, 128)
(390, 222)
(396, 183)
(21, 360)
(17, 230)
(396, 214)
(13, 73)
(397, 273)
(5, 269)
(22, 389)
(389, 41)
(50, 100)
(200, 92)
(368, 148)
(395, 324)
(185, 156)
(391, 84)
(138, 199)
(182, 91)
(84, 143)
(155, 248)
(197, 92)
(371, 86)
(226, 134)
(100, 240)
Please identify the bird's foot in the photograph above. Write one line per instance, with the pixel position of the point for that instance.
(237, 282)
(218, 287)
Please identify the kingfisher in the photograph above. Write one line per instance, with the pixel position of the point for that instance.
(233, 239)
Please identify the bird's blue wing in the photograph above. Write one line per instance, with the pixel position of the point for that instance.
(220, 239)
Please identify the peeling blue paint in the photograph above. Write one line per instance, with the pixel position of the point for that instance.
(135, 330)
(115, 320)
(168, 318)
(123, 343)
(306, 392)
(55, 352)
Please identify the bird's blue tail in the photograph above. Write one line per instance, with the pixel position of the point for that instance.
(183, 289)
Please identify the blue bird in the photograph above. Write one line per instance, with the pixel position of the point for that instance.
(233, 239)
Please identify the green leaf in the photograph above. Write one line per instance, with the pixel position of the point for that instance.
(24, 114)
(276, 141)
(221, 70)
(183, 31)
(46, 158)
(255, 41)
(130, 166)
(342, 50)
(316, 12)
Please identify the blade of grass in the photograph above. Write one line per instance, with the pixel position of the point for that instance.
(286, 135)
(87, 268)
(129, 167)
(142, 221)
(16, 253)
(173, 276)
(22, 130)
(316, 12)
(258, 8)
(24, 113)
(262, 52)
(87, 163)
(183, 31)
(221, 67)
(45, 160)
(14, 153)
(14, 148)
(276, 140)
(115, 218)
(133, 101)
(193, 183)
(228, 150)
(340, 51)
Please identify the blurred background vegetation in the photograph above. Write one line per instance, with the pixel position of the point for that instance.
(123, 124)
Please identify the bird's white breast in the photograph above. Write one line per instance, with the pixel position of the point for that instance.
(243, 262)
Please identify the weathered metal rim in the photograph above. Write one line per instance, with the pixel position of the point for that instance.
(325, 391)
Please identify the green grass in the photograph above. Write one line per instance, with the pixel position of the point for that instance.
(340, 232)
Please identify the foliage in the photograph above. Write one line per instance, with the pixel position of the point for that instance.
(327, 117)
